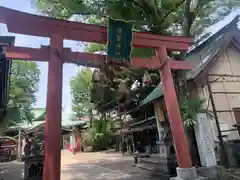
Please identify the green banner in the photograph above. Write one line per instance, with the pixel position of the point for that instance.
(119, 40)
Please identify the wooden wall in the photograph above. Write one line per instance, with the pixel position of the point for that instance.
(224, 76)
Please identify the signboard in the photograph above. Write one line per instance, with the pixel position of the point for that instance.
(5, 66)
(119, 40)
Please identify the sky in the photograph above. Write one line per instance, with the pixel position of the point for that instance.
(69, 70)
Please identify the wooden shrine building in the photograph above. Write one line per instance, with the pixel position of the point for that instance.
(216, 73)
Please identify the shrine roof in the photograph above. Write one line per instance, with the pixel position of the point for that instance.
(202, 54)
(139, 125)
(155, 94)
(39, 119)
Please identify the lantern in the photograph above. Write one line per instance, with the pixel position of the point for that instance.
(147, 78)
(96, 76)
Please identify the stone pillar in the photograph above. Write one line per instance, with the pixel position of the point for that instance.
(167, 161)
(205, 140)
(159, 116)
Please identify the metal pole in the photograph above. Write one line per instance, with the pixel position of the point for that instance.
(133, 143)
(127, 144)
(121, 133)
(19, 144)
(73, 140)
(148, 135)
(222, 148)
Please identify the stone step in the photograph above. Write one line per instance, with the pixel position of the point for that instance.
(149, 160)
(197, 178)
(144, 166)
(233, 173)
(150, 167)
(157, 165)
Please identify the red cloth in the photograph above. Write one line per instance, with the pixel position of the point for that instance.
(77, 148)
(78, 143)
(69, 148)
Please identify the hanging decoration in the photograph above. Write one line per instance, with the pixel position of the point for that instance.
(119, 41)
(147, 80)
(122, 88)
(96, 76)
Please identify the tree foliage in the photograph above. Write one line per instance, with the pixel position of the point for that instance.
(100, 136)
(166, 17)
(81, 86)
(23, 86)
(158, 16)
(189, 109)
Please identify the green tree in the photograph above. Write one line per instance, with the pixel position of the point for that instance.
(100, 136)
(166, 17)
(23, 86)
(159, 16)
(81, 86)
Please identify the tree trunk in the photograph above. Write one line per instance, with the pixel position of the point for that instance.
(186, 21)
(104, 122)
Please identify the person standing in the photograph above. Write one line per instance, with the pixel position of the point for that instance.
(27, 147)
(124, 147)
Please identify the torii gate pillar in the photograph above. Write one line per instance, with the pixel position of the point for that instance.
(52, 129)
(185, 170)
(170, 97)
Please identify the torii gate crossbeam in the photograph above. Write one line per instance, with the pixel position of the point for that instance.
(57, 31)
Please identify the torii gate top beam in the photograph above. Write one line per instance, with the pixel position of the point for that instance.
(18, 22)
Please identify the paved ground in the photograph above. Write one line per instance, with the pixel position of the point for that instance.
(86, 166)
(11, 171)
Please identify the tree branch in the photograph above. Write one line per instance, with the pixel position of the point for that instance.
(173, 9)
(137, 4)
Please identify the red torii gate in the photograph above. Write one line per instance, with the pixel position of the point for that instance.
(57, 30)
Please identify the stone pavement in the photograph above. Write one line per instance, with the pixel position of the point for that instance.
(11, 171)
(102, 166)
(86, 166)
